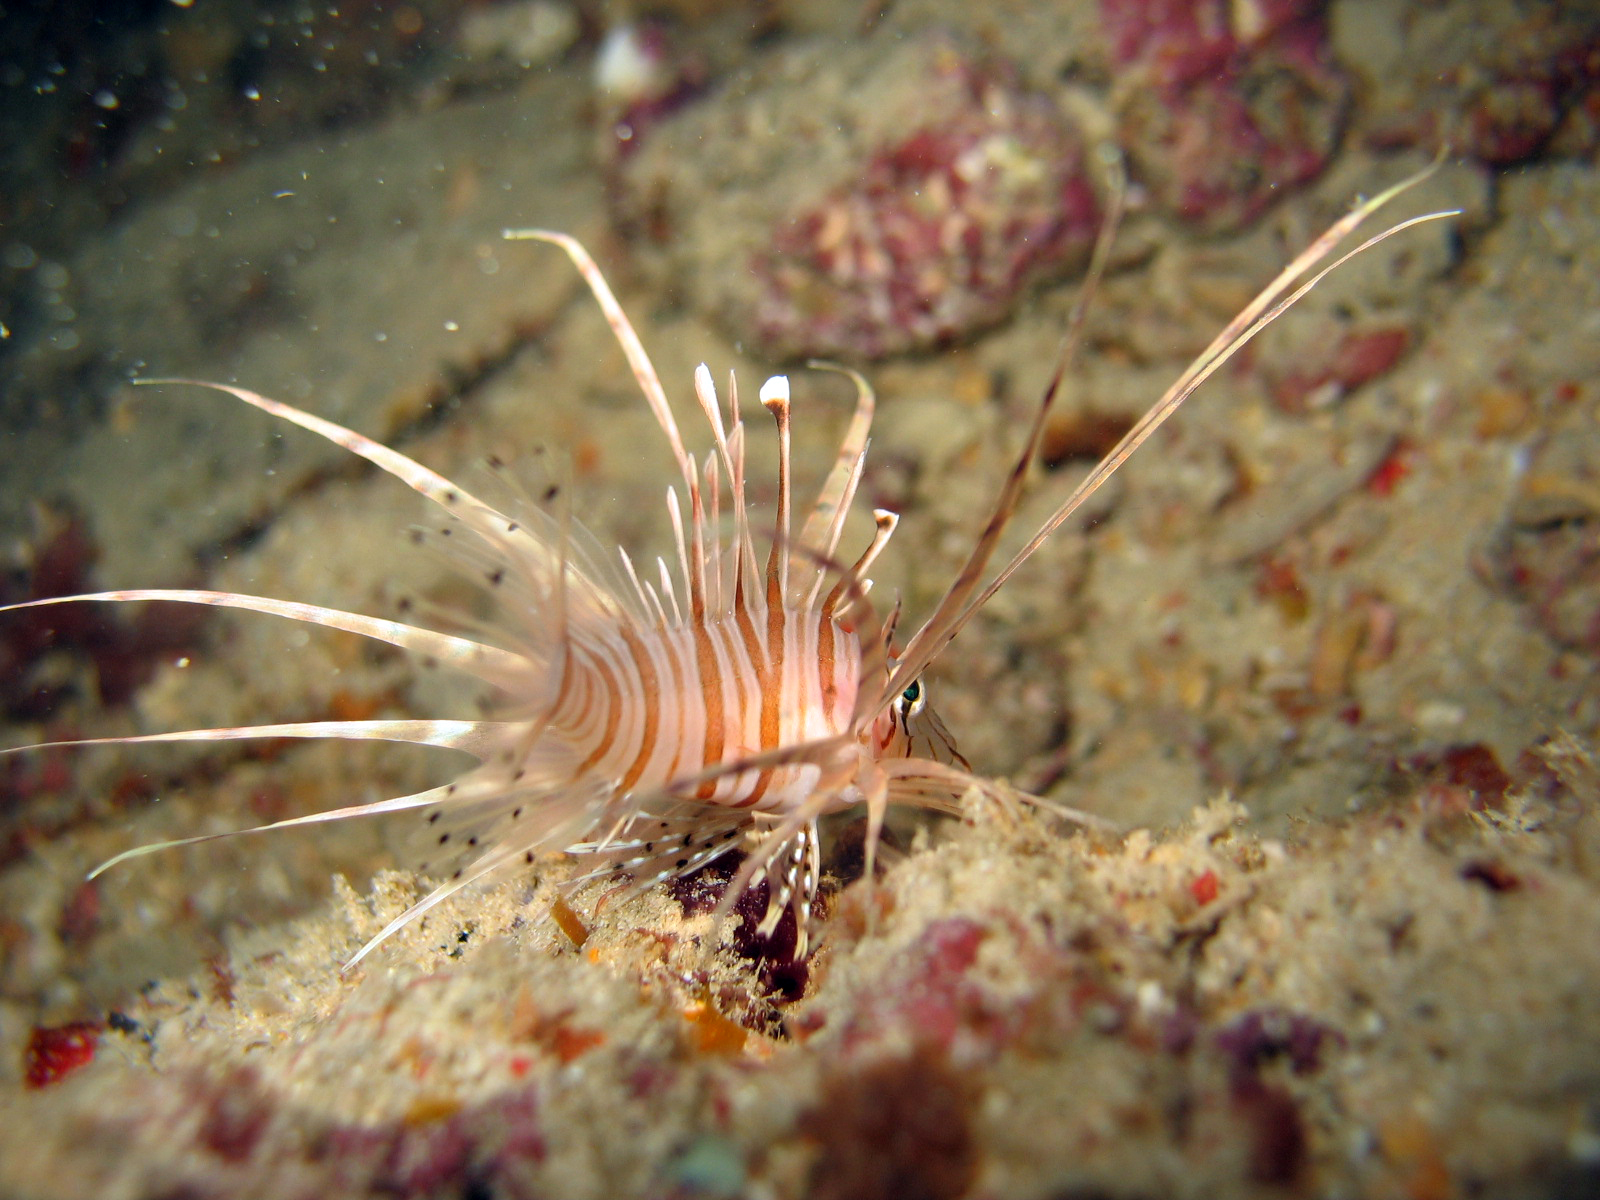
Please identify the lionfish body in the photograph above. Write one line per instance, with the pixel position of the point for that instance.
(648, 727)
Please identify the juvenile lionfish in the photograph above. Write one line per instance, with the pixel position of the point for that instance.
(647, 728)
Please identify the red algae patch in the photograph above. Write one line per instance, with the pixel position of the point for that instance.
(1225, 104)
(900, 1126)
(938, 189)
(55, 1053)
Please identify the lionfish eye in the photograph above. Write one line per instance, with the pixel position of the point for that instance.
(911, 699)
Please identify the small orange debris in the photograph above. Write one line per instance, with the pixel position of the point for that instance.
(1414, 1150)
(427, 1109)
(1502, 411)
(569, 922)
(972, 386)
(586, 456)
(1204, 887)
(567, 1043)
(347, 706)
(713, 1033)
(1279, 582)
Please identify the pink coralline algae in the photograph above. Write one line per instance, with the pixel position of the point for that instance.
(865, 200)
(1541, 85)
(1224, 104)
(934, 994)
(247, 1137)
(939, 232)
(1501, 81)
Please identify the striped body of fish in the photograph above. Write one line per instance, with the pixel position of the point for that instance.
(646, 727)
